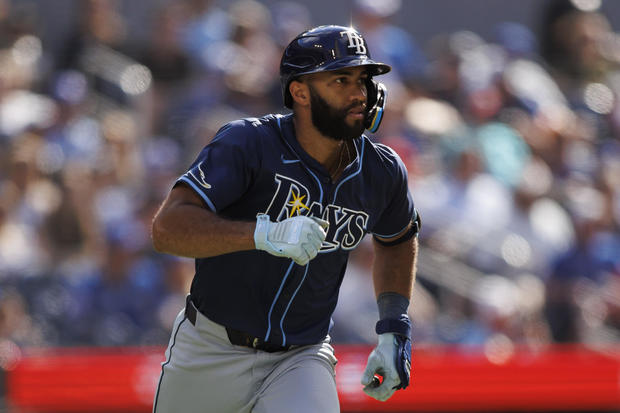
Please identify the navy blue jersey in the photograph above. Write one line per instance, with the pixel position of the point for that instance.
(255, 166)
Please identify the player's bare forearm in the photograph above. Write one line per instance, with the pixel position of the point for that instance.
(184, 227)
(394, 267)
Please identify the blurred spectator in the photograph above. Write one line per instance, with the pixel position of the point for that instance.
(17, 19)
(290, 19)
(207, 24)
(250, 60)
(576, 42)
(74, 135)
(586, 270)
(446, 51)
(584, 54)
(21, 106)
(389, 43)
(99, 48)
(26, 200)
(168, 62)
(99, 24)
(15, 324)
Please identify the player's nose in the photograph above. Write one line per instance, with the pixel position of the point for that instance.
(358, 93)
(357, 102)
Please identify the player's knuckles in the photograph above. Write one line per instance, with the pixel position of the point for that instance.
(372, 392)
(312, 243)
(380, 393)
(385, 390)
(300, 260)
(316, 243)
(305, 254)
(385, 396)
(390, 381)
(311, 250)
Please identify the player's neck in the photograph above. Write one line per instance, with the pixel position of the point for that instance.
(327, 151)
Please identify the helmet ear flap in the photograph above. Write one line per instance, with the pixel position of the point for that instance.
(377, 94)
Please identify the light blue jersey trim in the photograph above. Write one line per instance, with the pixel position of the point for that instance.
(289, 304)
(359, 169)
(202, 195)
(288, 161)
(304, 277)
(288, 272)
(318, 181)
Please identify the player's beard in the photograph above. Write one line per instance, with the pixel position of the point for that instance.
(331, 122)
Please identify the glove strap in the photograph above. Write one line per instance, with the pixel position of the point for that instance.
(401, 325)
(261, 234)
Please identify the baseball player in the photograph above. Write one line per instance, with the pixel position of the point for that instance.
(270, 210)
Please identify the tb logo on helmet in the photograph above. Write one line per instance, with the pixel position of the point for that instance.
(355, 42)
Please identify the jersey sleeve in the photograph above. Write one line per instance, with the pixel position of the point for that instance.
(399, 209)
(224, 169)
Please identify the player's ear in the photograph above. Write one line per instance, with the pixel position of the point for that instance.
(300, 92)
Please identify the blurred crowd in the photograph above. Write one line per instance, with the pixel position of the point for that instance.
(512, 145)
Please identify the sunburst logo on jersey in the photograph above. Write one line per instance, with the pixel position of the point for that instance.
(297, 204)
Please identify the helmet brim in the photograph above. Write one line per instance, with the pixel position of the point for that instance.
(374, 68)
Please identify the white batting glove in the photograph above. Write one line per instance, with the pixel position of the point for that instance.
(382, 363)
(299, 238)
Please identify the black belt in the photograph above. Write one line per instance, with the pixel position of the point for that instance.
(236, 337)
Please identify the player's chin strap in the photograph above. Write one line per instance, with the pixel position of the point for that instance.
(376, 103)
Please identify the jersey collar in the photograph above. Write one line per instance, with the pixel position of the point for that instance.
(287, 128)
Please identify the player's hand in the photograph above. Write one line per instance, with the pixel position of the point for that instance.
(391, 360)
(299, 238)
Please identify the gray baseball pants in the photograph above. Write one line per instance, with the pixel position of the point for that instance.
(204, 373)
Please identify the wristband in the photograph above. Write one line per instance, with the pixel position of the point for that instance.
(392, 305)
(401, 325)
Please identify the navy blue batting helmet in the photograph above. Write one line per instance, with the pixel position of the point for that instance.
(326, 48)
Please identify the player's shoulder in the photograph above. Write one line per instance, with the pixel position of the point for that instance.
(249, 128)
(382, 155)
